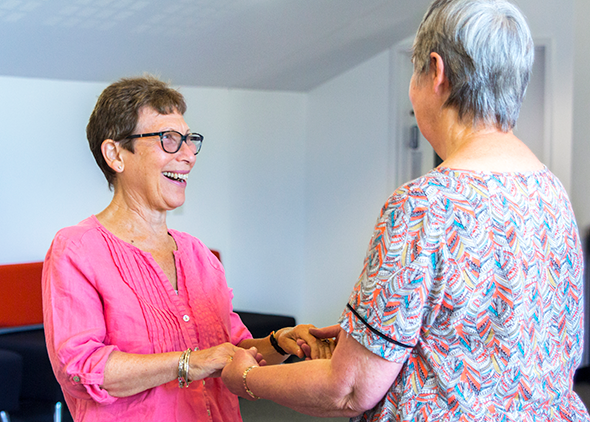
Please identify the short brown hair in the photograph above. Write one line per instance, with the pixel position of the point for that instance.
(116, 113)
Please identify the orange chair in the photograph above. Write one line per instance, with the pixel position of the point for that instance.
(21, 331)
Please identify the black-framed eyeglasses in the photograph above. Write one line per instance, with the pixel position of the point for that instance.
(172, 140)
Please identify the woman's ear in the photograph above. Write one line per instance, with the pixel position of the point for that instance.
(437, 73)
(111, 151)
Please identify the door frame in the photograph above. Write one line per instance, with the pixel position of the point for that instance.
(399, 153)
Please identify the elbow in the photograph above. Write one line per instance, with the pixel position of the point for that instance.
(117, 389)
(113, 391)
(344, 397)
(350, 403)
(354, 407)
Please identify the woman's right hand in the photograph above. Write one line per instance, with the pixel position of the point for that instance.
(233, 374)
(209, 362)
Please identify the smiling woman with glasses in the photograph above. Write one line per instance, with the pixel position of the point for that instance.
(138, 317)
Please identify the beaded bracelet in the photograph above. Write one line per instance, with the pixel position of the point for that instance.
(275, 344)
(250, 393)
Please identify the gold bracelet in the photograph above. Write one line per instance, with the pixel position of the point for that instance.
(250, 393)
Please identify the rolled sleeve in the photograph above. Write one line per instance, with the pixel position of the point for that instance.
(82, 374)
(74, 323)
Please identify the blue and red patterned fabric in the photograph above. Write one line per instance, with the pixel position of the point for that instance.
(474, 282)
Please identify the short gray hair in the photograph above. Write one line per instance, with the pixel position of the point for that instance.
(488, 52)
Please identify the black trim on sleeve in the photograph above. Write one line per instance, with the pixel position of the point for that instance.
(380, 334)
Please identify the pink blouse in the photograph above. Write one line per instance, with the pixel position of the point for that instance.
(102, 294)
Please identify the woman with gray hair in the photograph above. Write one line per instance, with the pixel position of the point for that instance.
(468, 307)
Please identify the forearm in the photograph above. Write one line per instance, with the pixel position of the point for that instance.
(309, 387)
(127, 374)
(351, 382)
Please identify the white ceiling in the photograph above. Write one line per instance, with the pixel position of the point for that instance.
(254, 44)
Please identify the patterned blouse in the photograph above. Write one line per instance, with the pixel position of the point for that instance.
(474, 282)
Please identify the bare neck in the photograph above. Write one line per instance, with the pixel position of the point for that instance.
(135, 224)
(484, 149)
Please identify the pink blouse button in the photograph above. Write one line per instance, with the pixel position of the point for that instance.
(186, 318)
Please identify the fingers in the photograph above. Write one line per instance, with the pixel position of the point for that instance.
(209, 362)
(325, 332)
(306, 345)
(312, 349)
(252, 351)
(232, 374)
(327, 348)
(287, 338)
(324, 343)
(260, 359)
(307, 341)
(246, 356)
(306, 349)
(316, 349)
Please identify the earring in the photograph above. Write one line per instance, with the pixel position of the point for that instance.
(120, 168)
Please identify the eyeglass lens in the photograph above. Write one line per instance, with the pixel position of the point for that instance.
(172, 142)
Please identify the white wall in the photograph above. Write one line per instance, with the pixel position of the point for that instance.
(245, 196)
(292, 215)
(553, 21)
(347, 171)
(267, 201)
(287, 186)
(581, 127)
(48, 179)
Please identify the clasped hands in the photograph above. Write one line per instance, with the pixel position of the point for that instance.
(305, 341)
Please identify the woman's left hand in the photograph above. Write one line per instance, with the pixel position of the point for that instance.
(298, 341)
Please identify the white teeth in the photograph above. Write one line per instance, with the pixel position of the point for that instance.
(176, 176)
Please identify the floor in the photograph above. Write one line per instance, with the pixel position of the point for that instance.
(260, 411)
(583, 390)
(582, 385)
(268, 411)
(256, 411)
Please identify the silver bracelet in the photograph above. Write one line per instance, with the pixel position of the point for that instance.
(183, 369)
